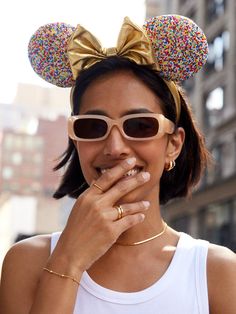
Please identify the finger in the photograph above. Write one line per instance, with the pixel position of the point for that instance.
(128, 222)
(127, 209)
(123, 187)
(97, 186)
(108, 178)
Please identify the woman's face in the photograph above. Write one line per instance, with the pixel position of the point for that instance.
(115, 95)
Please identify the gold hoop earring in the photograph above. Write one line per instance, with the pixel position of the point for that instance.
(170, 166)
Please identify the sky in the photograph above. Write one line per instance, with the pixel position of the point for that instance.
(19, 19)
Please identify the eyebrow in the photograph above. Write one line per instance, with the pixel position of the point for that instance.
(131, 111)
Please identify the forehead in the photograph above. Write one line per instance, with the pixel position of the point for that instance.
(118, 93)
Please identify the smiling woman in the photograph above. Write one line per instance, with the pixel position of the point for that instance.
(133, 145)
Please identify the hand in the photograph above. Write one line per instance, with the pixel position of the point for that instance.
(92, 227)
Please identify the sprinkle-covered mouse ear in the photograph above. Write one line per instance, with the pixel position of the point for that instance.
(47, 52)
(179, 45)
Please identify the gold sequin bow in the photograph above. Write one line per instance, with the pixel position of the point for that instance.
(84, 50)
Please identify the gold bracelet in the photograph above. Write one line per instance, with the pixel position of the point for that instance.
(61, 275)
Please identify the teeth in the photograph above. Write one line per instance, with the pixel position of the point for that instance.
(130, 173)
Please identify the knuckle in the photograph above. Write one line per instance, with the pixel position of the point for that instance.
(142, 205)
(139, 179)
(130, 221)
(127, 209)
(124, 166)
(96, 207)
(121, 187)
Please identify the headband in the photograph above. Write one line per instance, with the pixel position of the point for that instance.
(173, 45)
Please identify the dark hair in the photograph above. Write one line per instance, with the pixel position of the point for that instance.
(192, 160)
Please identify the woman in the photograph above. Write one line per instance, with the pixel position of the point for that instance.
(133, 146)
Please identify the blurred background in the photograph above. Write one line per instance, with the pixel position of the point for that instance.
(33, 116)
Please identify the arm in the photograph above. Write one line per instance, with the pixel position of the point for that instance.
(22, 270)
(221, 280)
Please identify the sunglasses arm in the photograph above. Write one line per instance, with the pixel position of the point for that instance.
(166, 125)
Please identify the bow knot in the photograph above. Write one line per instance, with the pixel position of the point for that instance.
(84, 49)
(109, 52)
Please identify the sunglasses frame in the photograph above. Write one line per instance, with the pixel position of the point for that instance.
(165, 126)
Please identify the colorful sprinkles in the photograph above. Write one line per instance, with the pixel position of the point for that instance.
(47, 53)
(179, 45)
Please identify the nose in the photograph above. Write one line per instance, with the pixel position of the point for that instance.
(115, 145)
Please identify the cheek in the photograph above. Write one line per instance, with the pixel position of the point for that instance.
(86, 153)
(155, 153)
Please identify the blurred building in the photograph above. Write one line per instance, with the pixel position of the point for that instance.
(43, 102)
(211, 212)
(33, 134)
(27, 160)
(21, 163)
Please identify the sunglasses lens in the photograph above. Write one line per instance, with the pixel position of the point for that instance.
(90, 128)
(142, 127)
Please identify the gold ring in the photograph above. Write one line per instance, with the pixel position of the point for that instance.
(120, 212)
(97, 186)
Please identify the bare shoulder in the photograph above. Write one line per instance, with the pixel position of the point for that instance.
(221, 258)
(30, 252)
(221, 271)
(21, 271)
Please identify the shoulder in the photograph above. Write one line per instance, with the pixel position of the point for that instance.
(29, 250)
(221, 271)
(221, 259)
(21, 270)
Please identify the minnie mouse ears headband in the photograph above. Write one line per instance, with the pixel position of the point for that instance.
(174, 45)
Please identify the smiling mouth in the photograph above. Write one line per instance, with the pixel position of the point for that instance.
(130, 173)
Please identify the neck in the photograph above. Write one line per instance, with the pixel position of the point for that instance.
(152, 225)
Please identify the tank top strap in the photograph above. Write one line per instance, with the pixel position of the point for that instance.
(201, 275)
(194, 252)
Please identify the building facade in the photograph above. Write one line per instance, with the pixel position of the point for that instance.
(211, 211)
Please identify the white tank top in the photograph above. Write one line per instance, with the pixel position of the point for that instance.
(181, 290)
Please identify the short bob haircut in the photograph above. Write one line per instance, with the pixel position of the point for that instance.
(192, 160)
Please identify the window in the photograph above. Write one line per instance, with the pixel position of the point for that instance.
(217, 50)
(224, 160)
(16, 158)
(7, 173)
(215, 8)
(228, 156)
(217, 223)
(214, 105)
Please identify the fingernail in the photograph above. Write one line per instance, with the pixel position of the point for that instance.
(146, 204)
(131, 161)
(146, 176)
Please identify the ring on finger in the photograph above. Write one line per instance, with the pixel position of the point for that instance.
(98, 186)
(120, 212)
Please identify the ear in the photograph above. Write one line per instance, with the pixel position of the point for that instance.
(174, 146)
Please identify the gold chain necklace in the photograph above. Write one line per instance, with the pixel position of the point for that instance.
(146, 240)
